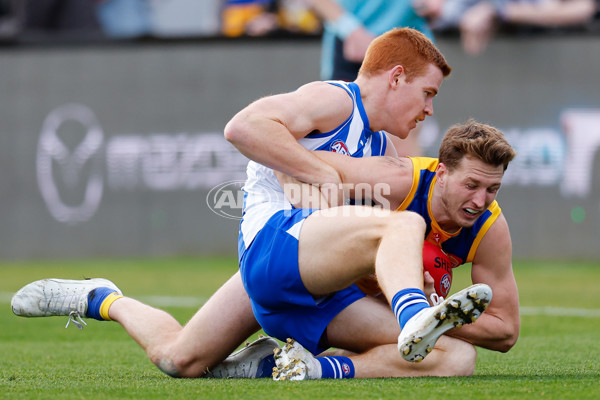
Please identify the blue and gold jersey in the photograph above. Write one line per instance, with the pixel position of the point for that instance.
(461, 245)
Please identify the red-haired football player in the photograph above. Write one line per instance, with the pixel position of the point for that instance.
(299, 266)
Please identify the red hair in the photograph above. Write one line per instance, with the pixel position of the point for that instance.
(406, 47)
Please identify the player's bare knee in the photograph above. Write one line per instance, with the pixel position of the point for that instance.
(413, 220)
(185, 365)
(163, 361)
(408, 221)
(175, 363)
(167, 366)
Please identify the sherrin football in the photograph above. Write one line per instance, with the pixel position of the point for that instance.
(439, 266)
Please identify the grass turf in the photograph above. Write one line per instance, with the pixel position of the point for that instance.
(557, 356)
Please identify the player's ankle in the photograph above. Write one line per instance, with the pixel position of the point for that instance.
(333, 367)
(407, 303)
(99, 302)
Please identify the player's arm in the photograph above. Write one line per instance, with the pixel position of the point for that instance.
(498, 327)
(267, 130)
(385, 180)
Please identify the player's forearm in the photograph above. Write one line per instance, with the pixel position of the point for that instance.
(489, 332)
(268, 143)
(385, 180)
(356, 171)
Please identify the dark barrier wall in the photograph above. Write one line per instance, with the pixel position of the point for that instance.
(118, 150)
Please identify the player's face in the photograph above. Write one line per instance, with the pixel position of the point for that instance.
(414, 100)
(467, 191)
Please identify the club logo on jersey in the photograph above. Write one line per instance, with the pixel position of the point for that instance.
(445, 284)
(346, 369)
(339, 147)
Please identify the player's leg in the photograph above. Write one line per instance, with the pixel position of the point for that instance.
(362, 326)
(339, 245)
(450, 357)
(217, 329)
(299, 260)
(368, 327)
(221, 325)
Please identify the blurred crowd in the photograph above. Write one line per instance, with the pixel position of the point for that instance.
(476, 21)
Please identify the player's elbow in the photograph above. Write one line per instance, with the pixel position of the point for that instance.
(234, 132)
(179, 365)
(507, 340)
(240, 128)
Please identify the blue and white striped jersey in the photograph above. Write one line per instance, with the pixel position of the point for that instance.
(264, 196)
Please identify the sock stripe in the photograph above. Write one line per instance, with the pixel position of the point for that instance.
(332, 367)
(409, 303)
(107, 303)
(338, 369)
(95, 299)
(408, 299)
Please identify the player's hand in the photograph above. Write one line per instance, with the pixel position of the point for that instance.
(429, 287)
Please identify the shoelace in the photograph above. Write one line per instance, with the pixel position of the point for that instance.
(435, 299)
(76, 319)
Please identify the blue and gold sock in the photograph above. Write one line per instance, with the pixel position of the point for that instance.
(407, 303)
(336, 367)
(99, 301)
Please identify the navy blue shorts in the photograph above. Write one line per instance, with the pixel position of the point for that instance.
(281, 303)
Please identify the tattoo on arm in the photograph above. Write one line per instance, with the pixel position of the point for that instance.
(399, 162)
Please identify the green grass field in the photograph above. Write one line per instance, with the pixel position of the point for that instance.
(556, 357)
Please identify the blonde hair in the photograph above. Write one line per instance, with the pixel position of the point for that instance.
(406, 47)
(478, 140)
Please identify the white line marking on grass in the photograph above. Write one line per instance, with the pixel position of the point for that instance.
(197, 302)
(561, 312)
(173, 301)
(5, 297)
